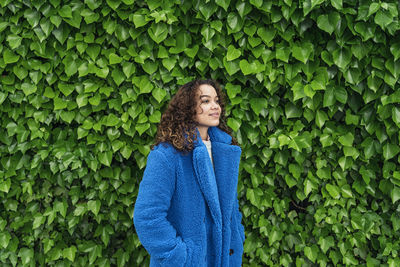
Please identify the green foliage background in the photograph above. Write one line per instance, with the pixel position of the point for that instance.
(314, 101)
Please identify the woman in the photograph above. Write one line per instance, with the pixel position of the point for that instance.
(186, 211)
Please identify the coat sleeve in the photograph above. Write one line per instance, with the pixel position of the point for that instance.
(155, 232)
(239, 219)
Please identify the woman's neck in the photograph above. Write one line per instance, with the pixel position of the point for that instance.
(203, 133)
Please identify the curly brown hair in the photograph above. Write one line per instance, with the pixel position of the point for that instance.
(179, 118)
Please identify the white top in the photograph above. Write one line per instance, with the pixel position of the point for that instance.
(208, 145)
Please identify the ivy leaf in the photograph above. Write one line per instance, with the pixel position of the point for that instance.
(122, 33)
(396, 115)
(275, 235)
(111, 120)
(266, 34)
(308, 187)
(300, 142)
(223, 3)
(311, 252)
(93, 51)
(128, 68)
(142, 127)
(9, 56)
(342, 57)
(390, 150)
(340, 94)
(383, 18)
(298, 91)
(393, 67)
(20, 72)
(69, 253)
(32, 16)
(257, 3)
(150, 67)
(113, 4)
(70, 65)
(61, 33)
(94, 206)
(26, 255)
(28, 88)
(14, 41)
(232, 90)
(65, 88)
(249, 68)
(5, 186)
(324, 24)
(65, 11)
(105, 158)
(395, 194)
(333, 190)
(114, 58)
(233, 124)
(395, 50)
(118, 76)
(233, 53)
(231, 66)
(302, 51)
(155, 117)
(56, 20)
(169, 63)
(207, 9)
(283, 54)
(158, 32)
(292, 111)
(373, 8)
(191, 52)
(3, 97)
(347, 140)
(3, 25)
(243, 8)
(257, 104)
(235, 22)
(139, 20)
(320, 118)
(5, 238)
(38, 220)
(61, 207)
(159, 94)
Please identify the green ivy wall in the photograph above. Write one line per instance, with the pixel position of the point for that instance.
(313, 96)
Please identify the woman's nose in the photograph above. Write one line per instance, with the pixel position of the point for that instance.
(215, 105)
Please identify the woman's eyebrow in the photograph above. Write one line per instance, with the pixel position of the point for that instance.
(207, 96)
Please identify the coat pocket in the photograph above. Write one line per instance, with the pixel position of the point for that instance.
(177, 257)
(193, 251)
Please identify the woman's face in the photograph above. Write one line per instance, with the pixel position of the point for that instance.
(208, 109)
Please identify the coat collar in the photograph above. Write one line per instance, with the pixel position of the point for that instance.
(218, 184)
(216, 135)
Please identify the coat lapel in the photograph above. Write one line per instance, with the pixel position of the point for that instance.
(219, 186)
(226, 159)
(206, 179)
(226, 162)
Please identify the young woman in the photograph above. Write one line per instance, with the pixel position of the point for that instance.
(186, 211)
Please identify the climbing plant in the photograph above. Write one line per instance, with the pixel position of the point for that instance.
(313, 99)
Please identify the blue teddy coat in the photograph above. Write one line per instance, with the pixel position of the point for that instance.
(187, 213)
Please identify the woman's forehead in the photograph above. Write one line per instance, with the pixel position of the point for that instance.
(206, 90)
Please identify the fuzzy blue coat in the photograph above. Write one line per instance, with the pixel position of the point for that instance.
(187, 213)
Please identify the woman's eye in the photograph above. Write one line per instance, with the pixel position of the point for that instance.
(206, 101)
